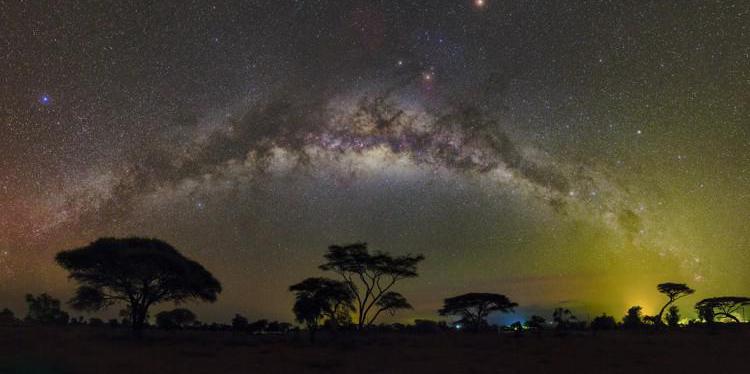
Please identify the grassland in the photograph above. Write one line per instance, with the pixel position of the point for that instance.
(28, 349)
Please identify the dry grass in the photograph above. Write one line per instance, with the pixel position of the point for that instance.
(90, 350)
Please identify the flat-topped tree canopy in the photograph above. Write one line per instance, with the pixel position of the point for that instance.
(138, 272)
(725, 306)
(355, 258)
(674, 290)
(474, 307)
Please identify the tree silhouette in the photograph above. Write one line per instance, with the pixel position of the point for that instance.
(310, 312)
(137, 272)
(258, 326)
(45, 309)
(239, 323)
(370, 277)
(705, 312)
(673, 316)
(674, 291)
(563, 318)
(425, 326)
(7, 317)
(603, 322)
(651, 321)
(178, 318)
(125, 315)
(475, 307)
(724, 306)
(319, 298)
(632, 319)
(390, 302)
(278, 327)
(535, 322)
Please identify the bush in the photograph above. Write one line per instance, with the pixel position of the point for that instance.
(7, 317)
(239, 323)
(603, 322)
(45, 309)
(96, 322)
(673, 316)
(175, 319)
(535, 322)
(426, 326)
(633, 320)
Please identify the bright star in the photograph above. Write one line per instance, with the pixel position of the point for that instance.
(45, 99)
(480, 3)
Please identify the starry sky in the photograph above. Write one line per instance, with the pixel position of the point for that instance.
(564, 153)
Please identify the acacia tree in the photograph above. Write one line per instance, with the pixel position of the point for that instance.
(674, 291)
(136, 272)
(370, 278)
(475, 307)
(319, 298)
(725, 306)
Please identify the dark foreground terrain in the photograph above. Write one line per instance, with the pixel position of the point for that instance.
(102, 350)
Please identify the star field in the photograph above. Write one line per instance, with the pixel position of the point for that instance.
(558, 152)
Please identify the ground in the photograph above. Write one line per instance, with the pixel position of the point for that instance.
(27, 349)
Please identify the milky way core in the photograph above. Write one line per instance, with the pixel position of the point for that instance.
(558, 152)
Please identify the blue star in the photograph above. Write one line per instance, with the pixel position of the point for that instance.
(45, 100)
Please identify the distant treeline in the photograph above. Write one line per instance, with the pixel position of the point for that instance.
(138, 273)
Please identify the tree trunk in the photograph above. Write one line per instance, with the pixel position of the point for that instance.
(659, 316)
(137, 319)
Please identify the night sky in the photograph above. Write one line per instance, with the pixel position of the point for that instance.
(562, 153)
